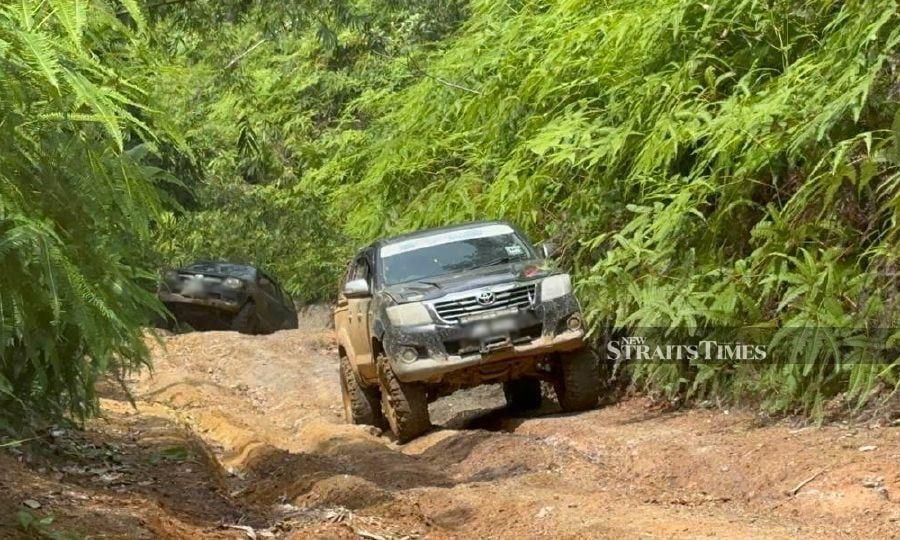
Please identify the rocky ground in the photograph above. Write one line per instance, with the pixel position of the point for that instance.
(238, 436)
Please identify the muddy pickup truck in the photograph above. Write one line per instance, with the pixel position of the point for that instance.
(425, 314)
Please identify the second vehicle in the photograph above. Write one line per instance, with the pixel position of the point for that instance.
(227, 296)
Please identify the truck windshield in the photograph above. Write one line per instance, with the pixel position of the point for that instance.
(452, 252)
(225, 269)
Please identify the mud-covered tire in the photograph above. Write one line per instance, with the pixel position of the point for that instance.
(405, 405)
(292, 323)
(245, 321)
(577, 381)
(362, 405)
(523, 394)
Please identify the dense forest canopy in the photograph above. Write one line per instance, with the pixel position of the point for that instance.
(702, 164)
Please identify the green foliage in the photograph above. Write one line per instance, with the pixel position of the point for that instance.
(76, 199)
(261, 107)
(704, 164)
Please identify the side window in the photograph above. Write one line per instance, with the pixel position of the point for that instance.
(269, 287)
(348, 272)
(360, 269)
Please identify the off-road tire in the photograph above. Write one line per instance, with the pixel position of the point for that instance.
(245, 321)
(523, 394)
(405, 405)
(362, 405)
(577, 381)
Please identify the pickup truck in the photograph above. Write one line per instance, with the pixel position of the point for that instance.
(424, 314)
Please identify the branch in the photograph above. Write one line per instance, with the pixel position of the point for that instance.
(808, 480)
(237, 58)
(414, 67)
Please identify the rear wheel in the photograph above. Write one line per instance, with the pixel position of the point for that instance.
(405, 405)
(523, 394)
(577, 381)
(362, 405)
(245, 320)
(292, 323)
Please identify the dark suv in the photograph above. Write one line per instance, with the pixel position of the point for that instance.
(424, 314)
(226, 296)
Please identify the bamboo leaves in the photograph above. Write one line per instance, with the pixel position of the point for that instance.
(73, 208)
(716, 163)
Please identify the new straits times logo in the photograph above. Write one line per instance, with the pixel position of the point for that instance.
(637, 349)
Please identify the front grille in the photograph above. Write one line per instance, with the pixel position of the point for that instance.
(191, 286)
(184, 277)
(517, 297)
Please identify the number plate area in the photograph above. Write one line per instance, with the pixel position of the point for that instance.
(491, 331)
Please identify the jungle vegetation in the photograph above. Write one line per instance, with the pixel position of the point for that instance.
(703, 164)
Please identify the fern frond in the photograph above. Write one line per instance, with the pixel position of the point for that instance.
(134, 10)
(72, 14)
(39, 52)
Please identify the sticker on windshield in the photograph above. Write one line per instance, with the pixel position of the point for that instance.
(514, 250)
(446, 237)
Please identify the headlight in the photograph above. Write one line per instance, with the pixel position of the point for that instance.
(233, 283)
(556, 286)
(409, 314)
(170, 275)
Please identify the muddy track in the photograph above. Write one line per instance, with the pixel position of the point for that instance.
(265, 413)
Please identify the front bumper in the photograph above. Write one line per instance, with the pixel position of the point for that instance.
(445, 348)
(170, 298)
(430, 369)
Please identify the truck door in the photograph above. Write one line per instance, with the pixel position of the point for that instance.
(268, 312)
(359, 319)
(281, 307)
(351, 319)
(342, 313)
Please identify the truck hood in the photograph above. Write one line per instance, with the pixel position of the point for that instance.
(437, 286)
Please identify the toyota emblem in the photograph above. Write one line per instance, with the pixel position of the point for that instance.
(485, 298)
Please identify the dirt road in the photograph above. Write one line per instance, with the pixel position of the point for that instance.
(242, 436)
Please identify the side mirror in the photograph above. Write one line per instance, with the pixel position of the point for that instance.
(356, 288)
(549, 250)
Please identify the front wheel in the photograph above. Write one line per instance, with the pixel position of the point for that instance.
(362, 405)
(245, 320)
(577, 381)
(405, 405)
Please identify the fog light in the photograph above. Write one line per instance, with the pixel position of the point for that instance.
(574, 323)
(408, 355)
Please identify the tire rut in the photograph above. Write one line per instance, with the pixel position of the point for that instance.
(271, 408)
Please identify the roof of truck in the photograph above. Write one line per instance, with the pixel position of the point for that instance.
(430, 232)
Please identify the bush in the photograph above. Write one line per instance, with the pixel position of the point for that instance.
(705, 164)
(76, 200)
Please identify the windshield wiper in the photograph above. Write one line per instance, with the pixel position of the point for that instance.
(498, 260)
